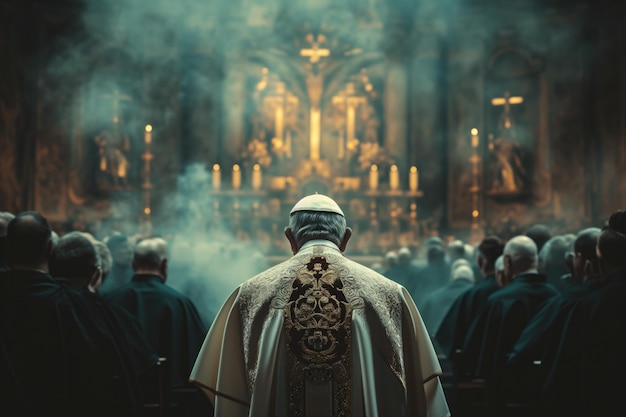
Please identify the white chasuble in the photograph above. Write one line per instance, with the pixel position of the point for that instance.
(320, 336)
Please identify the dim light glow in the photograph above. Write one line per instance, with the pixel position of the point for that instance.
(474, 131)
(256, 167)
(216, 167)
(475, 213)
(148, 128)
(413, 169)
(147, 210)
(374, 168)
(235, 167)
(394, 168)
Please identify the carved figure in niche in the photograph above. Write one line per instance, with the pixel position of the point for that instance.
(510, 168)
(257, 153)
(113, 166)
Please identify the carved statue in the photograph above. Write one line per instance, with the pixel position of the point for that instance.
(510, 168)
(113, 148)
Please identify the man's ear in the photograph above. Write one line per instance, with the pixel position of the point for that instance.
(346, 238)
(292, 240)
(95, 281)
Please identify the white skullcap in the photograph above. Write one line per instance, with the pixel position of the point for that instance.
(317, 202)
(463, 271)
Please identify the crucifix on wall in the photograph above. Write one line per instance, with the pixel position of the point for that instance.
(349, 100)
(507, 101)
(117, 97)
(315, 86)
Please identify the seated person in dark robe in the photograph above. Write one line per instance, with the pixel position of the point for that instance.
(168, 319)
(389, 262)
(59, 363)
(404, 272)
(452, 332)
(121, 271)
(75, 261)
(508, 311)
(587, 376)
(431, 277)
(552, 259)
(5, 218)
(439, 302)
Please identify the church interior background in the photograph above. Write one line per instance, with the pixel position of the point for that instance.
(449, 117)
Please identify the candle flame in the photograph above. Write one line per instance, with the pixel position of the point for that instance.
(216, 167)
(413, 169)
(235, 167)
(147, 210)
(474, 131)
(256, 167)
(394, 168)
(374, 168)
(475, 213)
(148, 128)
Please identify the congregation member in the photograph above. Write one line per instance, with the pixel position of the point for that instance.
(319, 335)
(552, 260)
(121, 271)
(168, 319)
(439, 302)
(587, 375)
(540, 234)
(404, 272)
(507, 312)
(454, 327)
(5, 218)
(432, 276)
(56, 362)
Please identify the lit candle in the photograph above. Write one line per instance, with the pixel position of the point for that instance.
(373, 178)
(256, 177)
(413, 179)
(394, 178)
(147, 137)
(217, 177)
(236, 177)
(474, 133)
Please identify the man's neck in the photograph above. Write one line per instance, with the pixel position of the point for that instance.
(526, 271)
(315, 242)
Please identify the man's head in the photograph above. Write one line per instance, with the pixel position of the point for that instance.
(585, 261)
(104, 255)
(463, 272)
(456, 250)
(120, 248)
(74, 258)
(435, 255)
(612, 244)
(489, 250)
(317, 217)
(150, 257)
(29, 242)
(520, 255)
(552, 256)
(404, 256)
(540, 234)
(391, 259)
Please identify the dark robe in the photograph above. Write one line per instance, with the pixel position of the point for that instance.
(427, 280)
(496, 329)
(3, 260)
(60, 358)
(118, 276)
(587, 376)
(168, 319)
(403, 273)
(451, 334)
(440, 301)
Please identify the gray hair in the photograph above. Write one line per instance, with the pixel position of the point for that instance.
(74, 257)
(104, 258)
(309, 225)
(150, 253)
(523, 252)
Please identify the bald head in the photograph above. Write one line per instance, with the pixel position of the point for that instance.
(520, 255)
(150, 257)
(29, 241)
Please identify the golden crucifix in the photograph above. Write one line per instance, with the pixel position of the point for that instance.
(315, 52)
(350, 101)
(507, 101)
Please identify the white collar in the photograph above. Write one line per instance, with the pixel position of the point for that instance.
(319, 242)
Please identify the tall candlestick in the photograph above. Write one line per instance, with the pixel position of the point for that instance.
(394, 178)
(256, 177)
(474, 133)
(373, 178)
(236, 177)
(217, 177)
(413, 179)
(147, 137)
